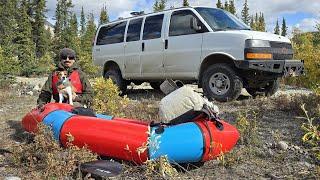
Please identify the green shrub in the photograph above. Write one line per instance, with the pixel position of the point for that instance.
(106, 98)
(306, 50)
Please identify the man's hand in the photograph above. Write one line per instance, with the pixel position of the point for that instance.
(75, 97)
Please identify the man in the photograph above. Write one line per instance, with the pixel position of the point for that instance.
(84, 92)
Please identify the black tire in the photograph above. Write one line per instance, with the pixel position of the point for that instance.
(155, 85)
(270, 89)
(115, 76)
(220, 82)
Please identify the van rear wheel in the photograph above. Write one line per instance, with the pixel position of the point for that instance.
(220, 82)
(155, 85)
(115, 76)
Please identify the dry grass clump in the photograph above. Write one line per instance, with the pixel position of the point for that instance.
(44, 158)
(311, 129)
(293, 103)
(144, 110)
(160, 168)
(247, 126)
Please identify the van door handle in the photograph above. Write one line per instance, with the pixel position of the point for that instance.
(166, 44)
(143, 46)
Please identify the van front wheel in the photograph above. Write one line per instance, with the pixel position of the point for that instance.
(115, 76)
(220, 82)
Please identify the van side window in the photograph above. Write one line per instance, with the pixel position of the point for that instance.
(180, 23)
(134, 30)
(111, 34)
(152, 27)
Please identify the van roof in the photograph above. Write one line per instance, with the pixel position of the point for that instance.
(186, 7)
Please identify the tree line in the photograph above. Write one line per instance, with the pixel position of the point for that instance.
(27, 47)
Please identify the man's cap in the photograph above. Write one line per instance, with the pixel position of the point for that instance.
(67, 52)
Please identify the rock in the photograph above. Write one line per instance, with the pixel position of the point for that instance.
(12, 178)
(283, 145)
(296, 147)
(30, 93)
(36, 88)
(270, 152)
(305, 164)
(1, 110)
(14, 85)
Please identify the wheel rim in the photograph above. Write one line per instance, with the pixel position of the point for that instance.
(219, 83)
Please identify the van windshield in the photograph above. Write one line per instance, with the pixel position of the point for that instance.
(220, 20)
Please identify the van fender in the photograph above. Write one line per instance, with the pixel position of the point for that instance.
(214, 58)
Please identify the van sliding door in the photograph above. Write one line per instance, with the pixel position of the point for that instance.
(133, 49)
(152, 47)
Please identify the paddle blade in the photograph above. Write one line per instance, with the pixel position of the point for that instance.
(102, 168)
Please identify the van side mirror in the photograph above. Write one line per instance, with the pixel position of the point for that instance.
(194, 24)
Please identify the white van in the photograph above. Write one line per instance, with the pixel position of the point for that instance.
(194, 44)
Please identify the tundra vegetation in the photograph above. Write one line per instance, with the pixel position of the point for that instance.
(29, 48)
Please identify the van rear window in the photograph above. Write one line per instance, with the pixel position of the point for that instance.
(111, 34)
(152, 27)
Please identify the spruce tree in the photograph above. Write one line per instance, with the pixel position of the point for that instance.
(38, 30)
(85, 55)
(63, 16)
(262, 24)
(256, 22)
(226, 6)
(159, 5)
(232, 8)
(185, 3)
(82, 22)
(26, 47)
(104, 18)
(219, 4)
(284, 28)
(89, 34)
(72, 36)
(8, 24)
(252, 25)
(277, 28)
(245, 13)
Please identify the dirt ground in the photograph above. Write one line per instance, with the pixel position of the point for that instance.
(258, 155)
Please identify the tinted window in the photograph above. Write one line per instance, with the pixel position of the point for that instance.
(152, 27)
(111, 34)
(134, 30)
(180, 23)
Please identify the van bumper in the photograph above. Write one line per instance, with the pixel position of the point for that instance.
(284, 67)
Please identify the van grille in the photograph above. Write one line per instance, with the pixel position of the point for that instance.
(281, 50)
